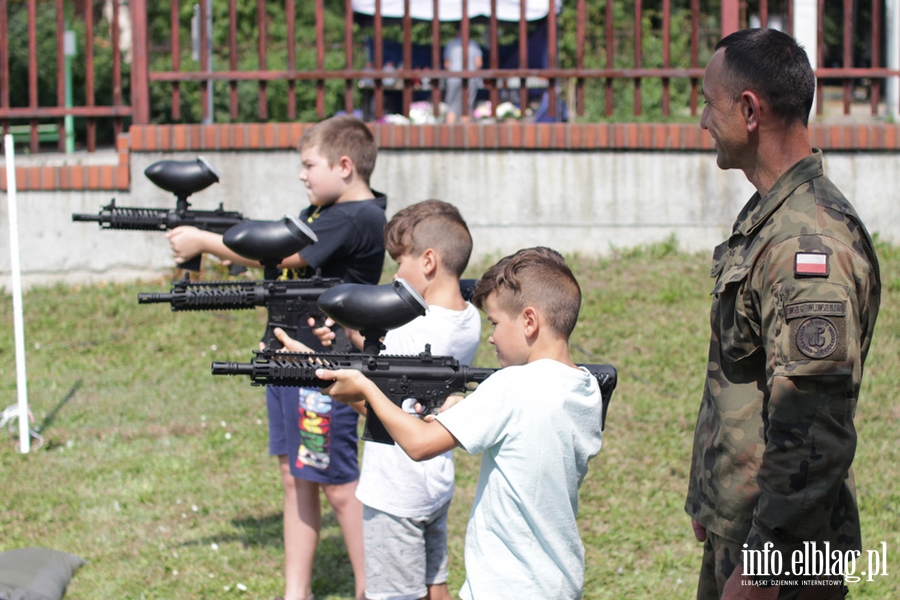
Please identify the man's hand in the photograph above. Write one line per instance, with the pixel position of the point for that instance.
(739, 586)
(186, 242)
(699, 531)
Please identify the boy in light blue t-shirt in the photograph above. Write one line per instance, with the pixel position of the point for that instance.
(537, 423)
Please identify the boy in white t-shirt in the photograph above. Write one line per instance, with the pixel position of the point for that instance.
(405, 502)
(537, 423)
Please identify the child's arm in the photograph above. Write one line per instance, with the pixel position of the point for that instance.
(419, 439)
(187, 242)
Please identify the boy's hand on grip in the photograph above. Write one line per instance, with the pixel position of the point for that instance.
(451, 401)
(289, 343)
(349, 386)
(323, 331)
(185, 242)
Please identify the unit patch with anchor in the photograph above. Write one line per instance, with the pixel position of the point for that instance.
(818, 330)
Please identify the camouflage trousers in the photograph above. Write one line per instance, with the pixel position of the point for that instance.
(721, 557)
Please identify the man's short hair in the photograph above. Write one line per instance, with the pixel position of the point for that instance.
(431, 224)
(537, 277)
(343, 135)
(773, 65)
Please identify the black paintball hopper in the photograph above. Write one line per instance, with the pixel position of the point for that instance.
(182, 177)
(372, 309)
(467, 288)
(269, 242)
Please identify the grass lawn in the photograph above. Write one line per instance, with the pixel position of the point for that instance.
(158, 473)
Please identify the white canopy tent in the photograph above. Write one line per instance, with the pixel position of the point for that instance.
(451, 10)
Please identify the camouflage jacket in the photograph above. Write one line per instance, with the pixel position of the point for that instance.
(794, 304)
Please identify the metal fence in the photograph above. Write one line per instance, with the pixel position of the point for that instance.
(87, 68)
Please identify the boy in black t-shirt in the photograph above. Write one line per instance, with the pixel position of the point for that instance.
(314, 438)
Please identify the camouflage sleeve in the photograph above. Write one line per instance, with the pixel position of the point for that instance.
(810, 329)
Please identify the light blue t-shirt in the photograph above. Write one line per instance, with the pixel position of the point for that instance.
(537, 426)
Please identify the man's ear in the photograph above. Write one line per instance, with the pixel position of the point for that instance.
(750, 109)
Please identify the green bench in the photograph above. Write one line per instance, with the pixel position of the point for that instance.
(47, 132)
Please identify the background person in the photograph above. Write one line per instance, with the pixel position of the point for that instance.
(453, 61)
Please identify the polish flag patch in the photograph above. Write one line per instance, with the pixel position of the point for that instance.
(808, 264)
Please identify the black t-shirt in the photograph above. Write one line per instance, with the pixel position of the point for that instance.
(351, 240)
(350, 246)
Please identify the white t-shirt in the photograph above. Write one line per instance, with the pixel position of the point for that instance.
(537, 426)
(389, 480)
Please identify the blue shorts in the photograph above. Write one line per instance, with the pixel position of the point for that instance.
(317, 434)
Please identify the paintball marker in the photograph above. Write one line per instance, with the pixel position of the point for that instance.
(373, 310)
(183, 178)
(426, 378)
(290, 303)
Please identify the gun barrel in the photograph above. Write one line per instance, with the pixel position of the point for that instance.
(216, 296)
(277, 371)
(84, 217)
(160, 219)
(295, 297)
(119, 217)
(232, 368)
(154, 298)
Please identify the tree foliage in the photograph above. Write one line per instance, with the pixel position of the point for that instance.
(48, 67)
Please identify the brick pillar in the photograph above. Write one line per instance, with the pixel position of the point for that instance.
(730, 16)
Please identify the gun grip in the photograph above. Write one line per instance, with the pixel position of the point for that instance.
(270, 342)
(341, 344)
(374, 430)
(192, 264)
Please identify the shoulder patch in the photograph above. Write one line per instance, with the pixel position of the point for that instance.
(814, 309)
(818, 338)
(809, 264)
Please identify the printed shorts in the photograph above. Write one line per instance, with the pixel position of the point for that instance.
(318, 434)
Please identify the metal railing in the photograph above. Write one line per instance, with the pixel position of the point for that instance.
(23, 73)
(597, 59)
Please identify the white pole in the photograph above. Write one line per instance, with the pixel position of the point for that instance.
(892, 26)
(806, 32)
(18, 322)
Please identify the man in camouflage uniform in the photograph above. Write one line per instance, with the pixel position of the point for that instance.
(796, 295)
